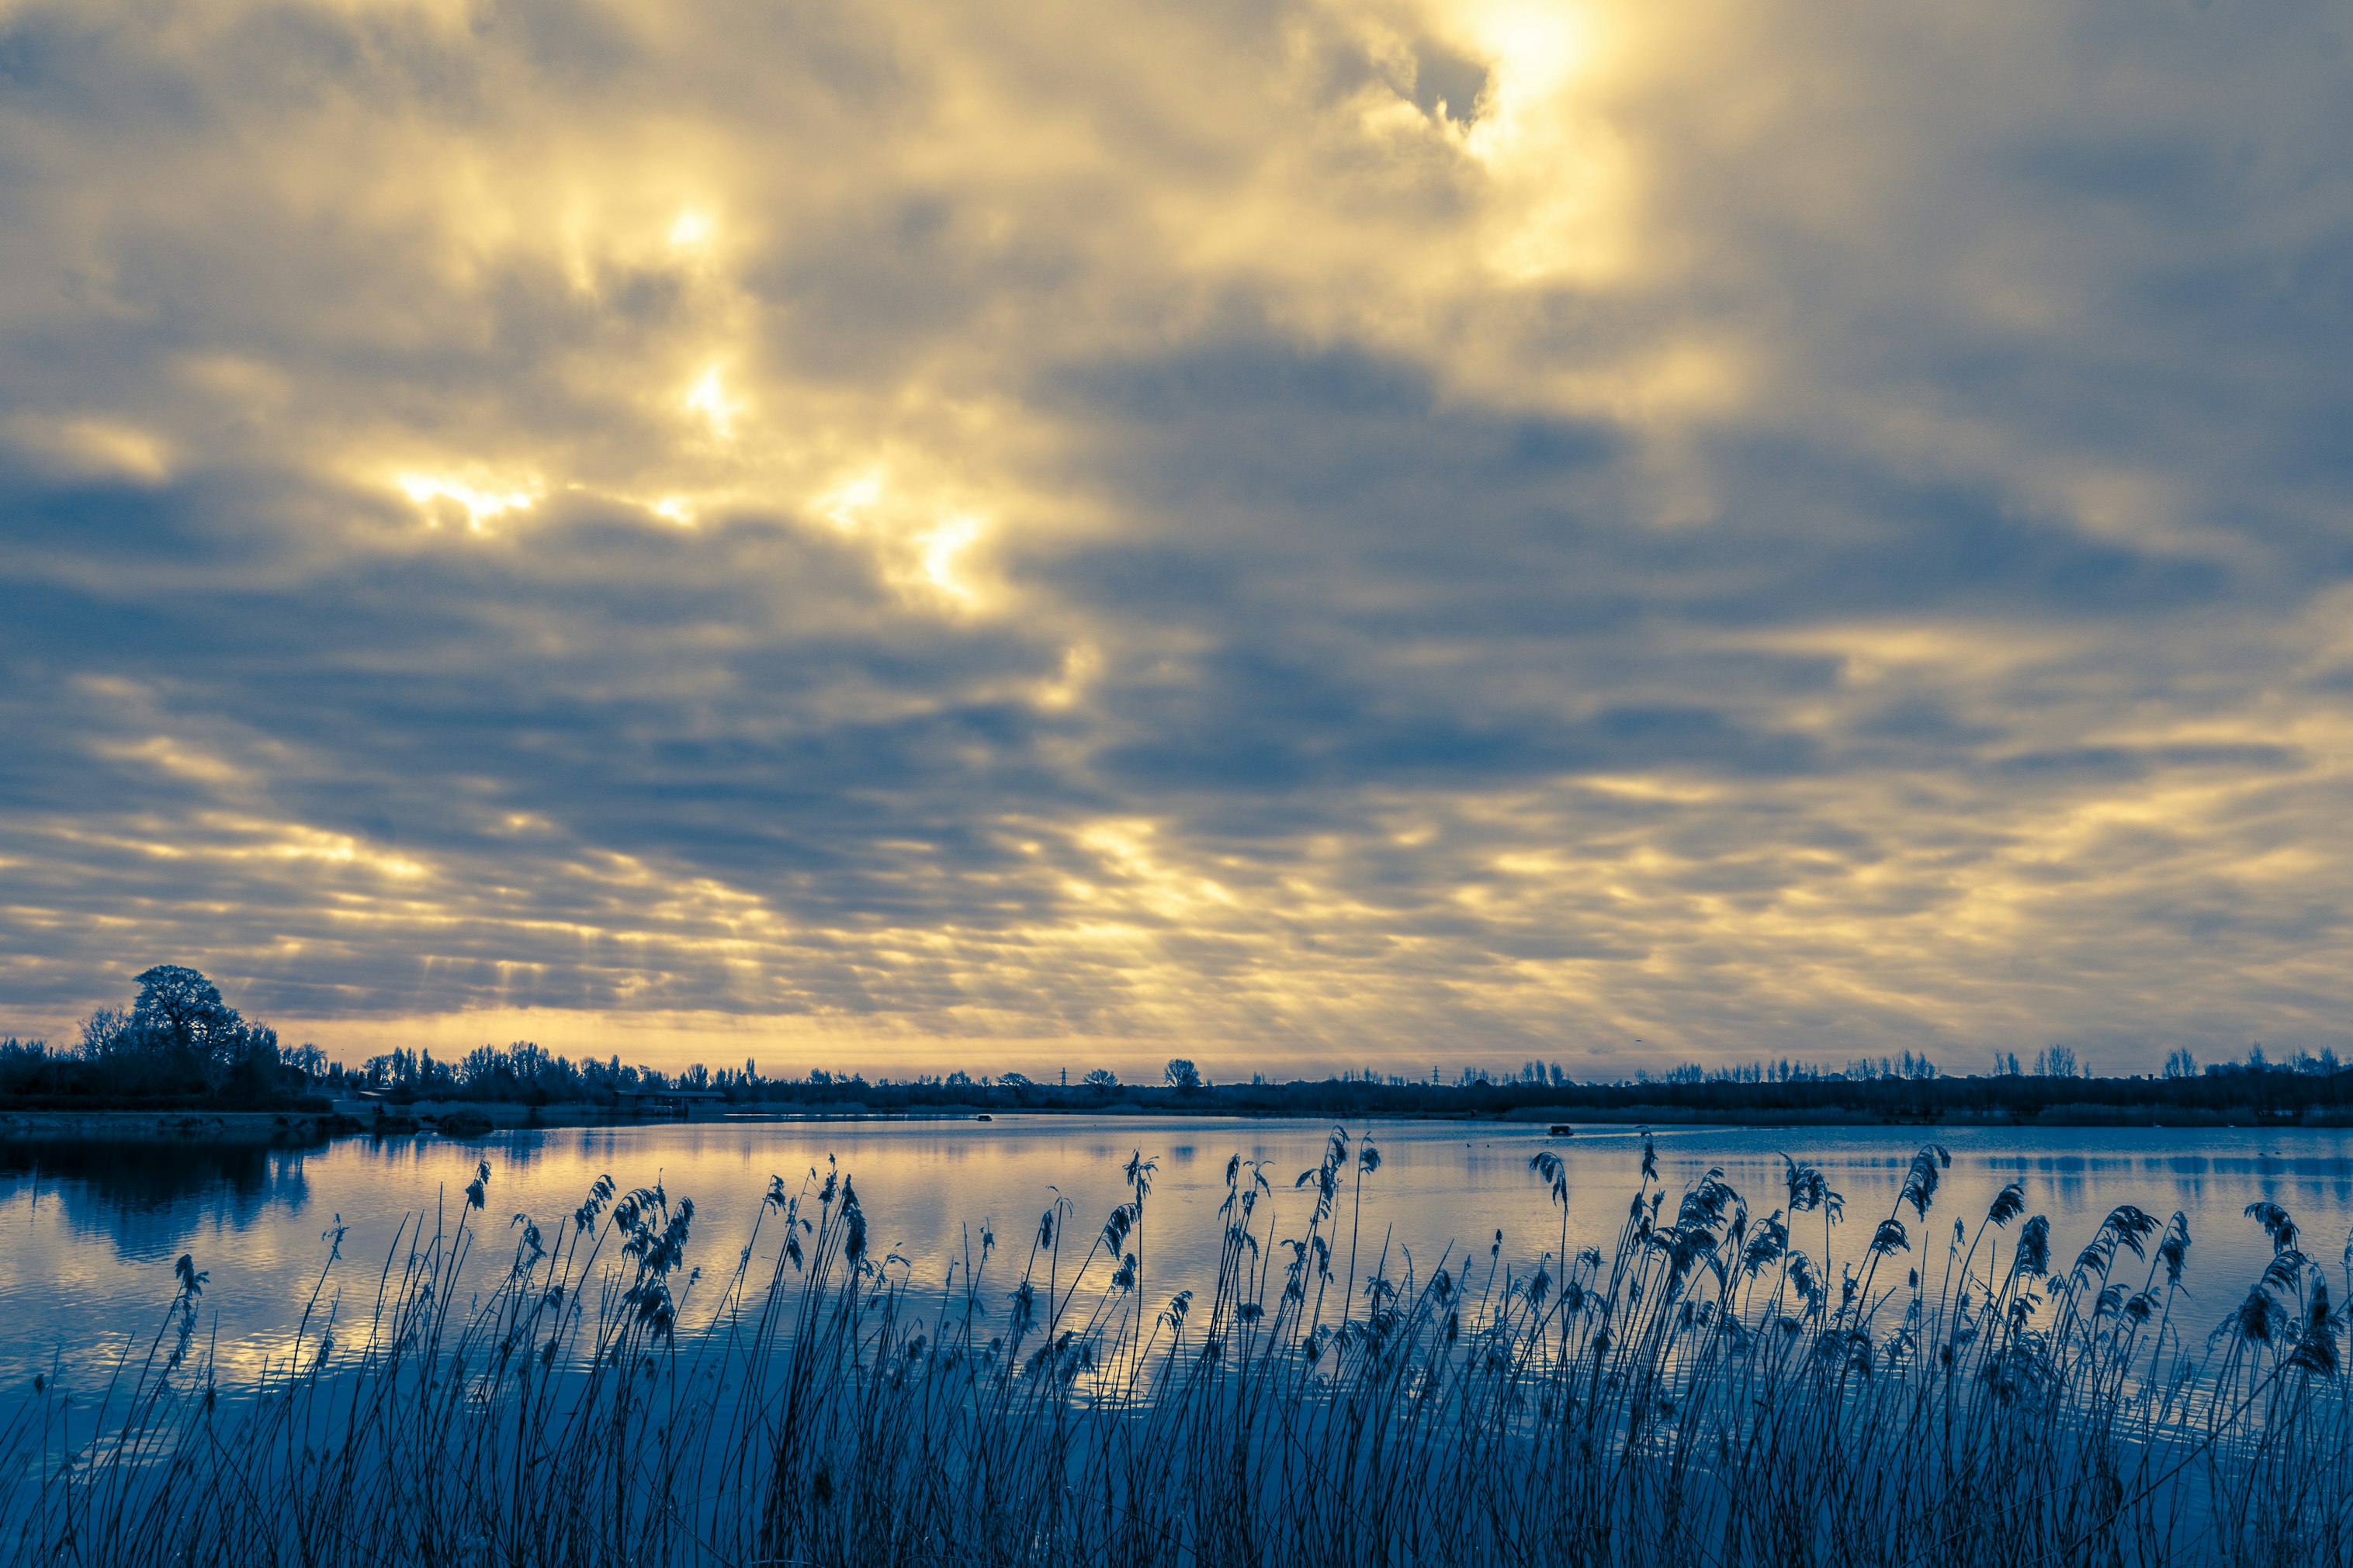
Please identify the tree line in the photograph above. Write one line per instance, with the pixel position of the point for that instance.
(177, 1042)
(180, 1042)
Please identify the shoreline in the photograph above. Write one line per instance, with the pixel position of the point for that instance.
(464, 1121)
(289, 1127)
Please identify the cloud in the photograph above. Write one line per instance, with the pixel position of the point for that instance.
(1307, 532)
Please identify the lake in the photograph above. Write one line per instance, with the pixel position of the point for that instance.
(93, 1229)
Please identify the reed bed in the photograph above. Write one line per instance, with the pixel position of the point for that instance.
(1719, 1387)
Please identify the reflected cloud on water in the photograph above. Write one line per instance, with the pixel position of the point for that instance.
(92, 1227)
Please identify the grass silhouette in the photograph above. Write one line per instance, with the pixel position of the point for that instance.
(1711, 1390)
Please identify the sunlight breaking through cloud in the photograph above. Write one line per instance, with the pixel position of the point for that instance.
(1479, 528)
(478, 504)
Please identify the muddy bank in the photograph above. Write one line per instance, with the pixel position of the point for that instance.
(180, 1126)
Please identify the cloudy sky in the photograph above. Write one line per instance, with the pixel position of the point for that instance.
(881, 535)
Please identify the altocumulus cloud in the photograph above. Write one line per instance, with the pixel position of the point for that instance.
(887, 533)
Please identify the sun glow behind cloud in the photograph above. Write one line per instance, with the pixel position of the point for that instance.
(709, 398)
(1326, 531)
(1560, 184)
(479, 504)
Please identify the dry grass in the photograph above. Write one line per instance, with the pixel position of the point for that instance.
(1716, 1389)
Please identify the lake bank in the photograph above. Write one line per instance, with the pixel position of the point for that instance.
(470, 1119)
(180, 1126)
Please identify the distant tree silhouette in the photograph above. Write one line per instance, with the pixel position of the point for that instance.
(179, 1009)
(181, 1029)
(1182, 1075)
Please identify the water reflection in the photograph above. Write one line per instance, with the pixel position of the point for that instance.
(148, 1200)
(92, 1227)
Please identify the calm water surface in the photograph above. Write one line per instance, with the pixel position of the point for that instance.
(91, 1230)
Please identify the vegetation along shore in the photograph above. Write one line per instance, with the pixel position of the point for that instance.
(1740, 1378)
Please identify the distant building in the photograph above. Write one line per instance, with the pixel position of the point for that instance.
(678, 1102)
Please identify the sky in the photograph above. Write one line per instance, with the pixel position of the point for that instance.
(1294, 533)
